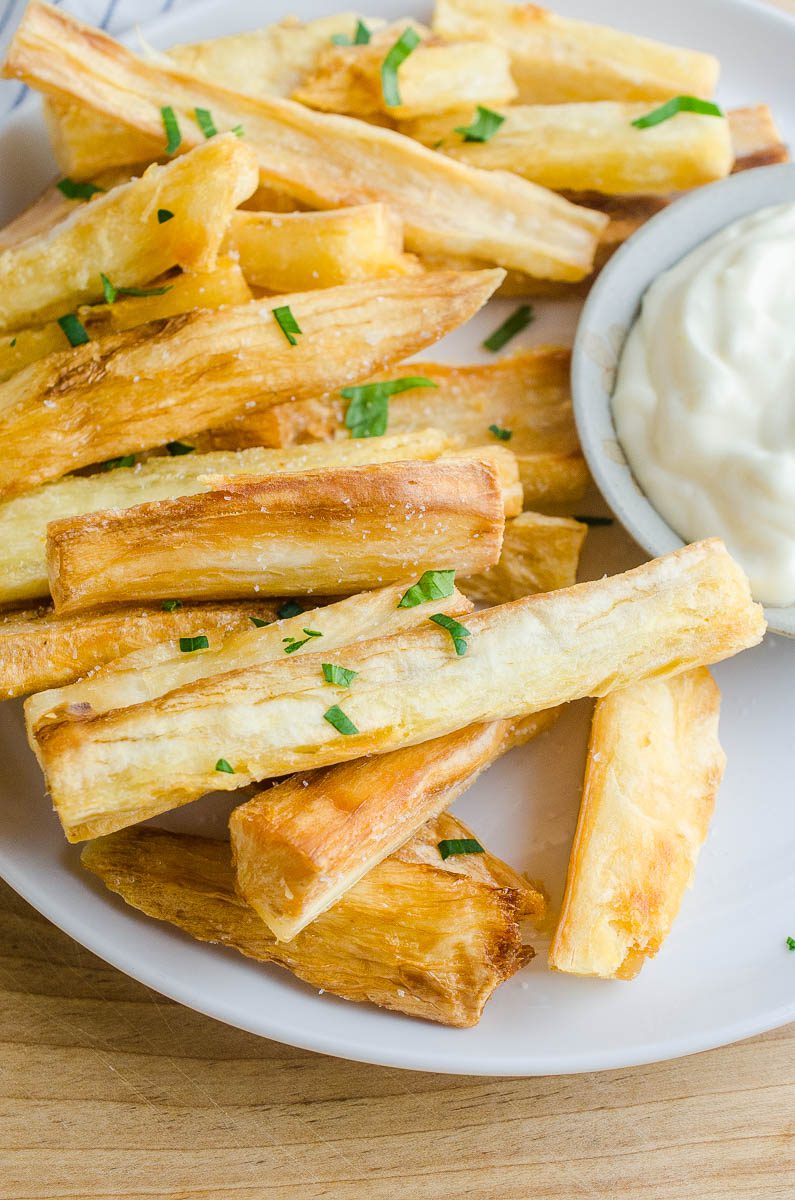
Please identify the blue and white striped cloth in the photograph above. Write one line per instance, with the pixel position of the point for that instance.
(115, 16)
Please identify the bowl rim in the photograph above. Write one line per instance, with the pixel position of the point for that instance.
(610, 310)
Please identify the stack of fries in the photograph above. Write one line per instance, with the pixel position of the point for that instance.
(242, 541)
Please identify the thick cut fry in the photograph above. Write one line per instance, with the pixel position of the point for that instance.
(539, 554)
(40, 649)
(24, 520)
(266, 62)
(205, 289)
(288, 252)
(654, 768)
(418, 935)
(756, 139)
(301, 845)
(527, 393)
(131, 391)
(687, 609)
(434, 78)
(591, 147)
(322, 160)
(156, 670)
(323, 532)
(119, 234)
(555, 59)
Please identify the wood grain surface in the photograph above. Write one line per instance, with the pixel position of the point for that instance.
(108, 1092)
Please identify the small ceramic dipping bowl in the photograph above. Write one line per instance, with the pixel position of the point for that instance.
(608, 315)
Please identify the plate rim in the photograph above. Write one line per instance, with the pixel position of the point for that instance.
(339, 1045)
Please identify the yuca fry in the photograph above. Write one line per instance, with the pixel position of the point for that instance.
(555, 59)
(756, 142)
(539, 554)
(322, 160)
(24, 519)
(330, 532)
(687, 609)
(419, 935)
(288, 252)
(40, 649)
(590, 147)
(266, 62)
(434, 78)
(130, 391)
(527, 393)
(206, 289)
(654, 768)
(119, 234)
(147, 674)
(300, 846)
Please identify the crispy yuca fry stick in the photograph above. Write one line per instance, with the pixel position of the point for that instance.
(323, 532)
(39, 649)
(287, 252)
(418, 935)
(205, 289)
(299, 846)
(527, 393)
(24, 520)
(555, 59)
(591, 147)
(156, 670)
(119, 234)
(130, 391)
(539, 554)
(654, 768)
(434, 78)
(756, 140)
(322, 160)
(684, 610)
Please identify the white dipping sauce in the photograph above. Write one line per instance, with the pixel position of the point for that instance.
(704, 404)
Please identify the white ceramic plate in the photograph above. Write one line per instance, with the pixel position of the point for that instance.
(725, 972)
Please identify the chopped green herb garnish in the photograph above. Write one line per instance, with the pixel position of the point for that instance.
(171, 605)
(187, 644)
(112, 293)
(360, 38)
(341, 675)
(163, 215)
(287, 323)
(791, 943)
(483, 128)
(77, 191)
(336, 717)
(458, 632)
(517, 321)
(258, 622)
(504, 435)
(12, 343)
(451, 846)
(290, 608)
(74, 330)
(676, 105)
(368, 411)
(171, 126)
(223, 765)
(433, 585)
(204, 120)
(294, 644)
(175, 449)
(238, 131)
(126, 460)
(409, 40)
(595, 521)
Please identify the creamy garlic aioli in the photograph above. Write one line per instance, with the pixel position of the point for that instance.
(704, 405)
